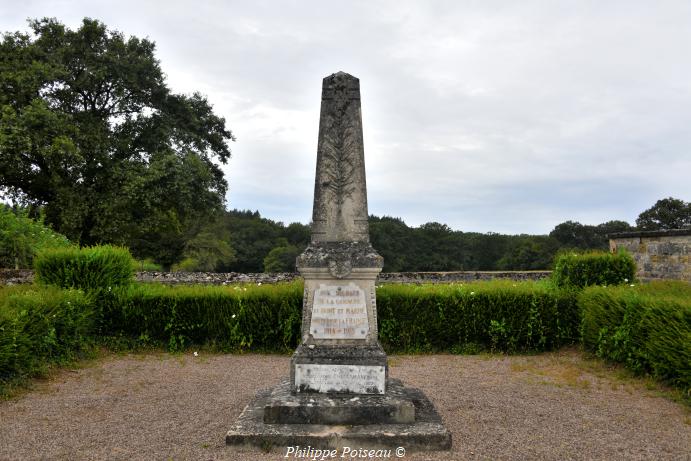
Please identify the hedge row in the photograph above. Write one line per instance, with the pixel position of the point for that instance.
(646, 327)
(241, 317)
(593, 268)
(487, 315)
(497, 315)
(40, 326)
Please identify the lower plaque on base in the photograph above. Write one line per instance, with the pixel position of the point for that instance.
(340, 379)
(427, 432)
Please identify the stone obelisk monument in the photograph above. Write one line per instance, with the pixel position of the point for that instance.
(340, 351)
(339, 393)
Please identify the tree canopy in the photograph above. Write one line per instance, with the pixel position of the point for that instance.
(90, 132)
(667, 213)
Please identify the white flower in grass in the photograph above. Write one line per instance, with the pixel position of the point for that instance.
(626, 280)
(632, 285)
(472, 293)
(232, 316)
(259, 284)
(196, 353)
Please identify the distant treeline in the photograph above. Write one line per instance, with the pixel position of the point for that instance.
(243, 241)
(261, 244)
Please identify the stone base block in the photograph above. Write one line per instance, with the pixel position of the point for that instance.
(285, 407)
(339, 369)
(426, 433)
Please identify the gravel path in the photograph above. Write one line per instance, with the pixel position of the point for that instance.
(158, 406)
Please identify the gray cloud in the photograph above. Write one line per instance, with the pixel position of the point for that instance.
(488, 116)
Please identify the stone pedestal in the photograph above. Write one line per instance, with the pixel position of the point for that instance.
(339, 393)
(340, 351)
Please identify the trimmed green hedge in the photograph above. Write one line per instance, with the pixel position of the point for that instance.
(42, 325)
(90, 269)
(497, 315)
(593, 268)
(487, 315)
(242, 317)
(646, 327)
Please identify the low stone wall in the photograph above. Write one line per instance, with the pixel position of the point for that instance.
(13, 277)
(16, 276)
(658, 254)
(461, 276)
(213, 278)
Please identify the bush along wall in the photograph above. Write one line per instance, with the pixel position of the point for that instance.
(593, 268)
(502, 316)
(265, 318)
(40, 326)
(646, 327)
(499, 315)
(91, 269)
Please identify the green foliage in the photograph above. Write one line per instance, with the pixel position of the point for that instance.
(21, 238)
(498, 315)
(528, 252)
(146, 264)
(502, 316)
(232, 318)
(668, 213)
(91, 269)
(593, 268)
(253, 237)
(90, 130)
(281, 258)
(646, 327)
(40, 326)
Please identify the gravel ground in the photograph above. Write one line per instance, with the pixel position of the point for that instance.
(159, 406)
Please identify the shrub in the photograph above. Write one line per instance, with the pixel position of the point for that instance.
(647, 328)
(21, 238)
(240, 317)
(593, 268)
(93, 268)
(147, 264)
(500, 315)
(39, 326)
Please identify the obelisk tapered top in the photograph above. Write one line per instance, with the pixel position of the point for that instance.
(340, 191)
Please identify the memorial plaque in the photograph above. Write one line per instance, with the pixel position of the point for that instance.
(339, 312)
(358, 379)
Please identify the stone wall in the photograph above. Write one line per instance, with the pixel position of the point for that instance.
(13, 277)
(658, 254)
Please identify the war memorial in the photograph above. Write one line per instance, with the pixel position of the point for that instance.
(338, 393)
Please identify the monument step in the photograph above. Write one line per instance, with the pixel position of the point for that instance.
(285, 407)
(426, 433)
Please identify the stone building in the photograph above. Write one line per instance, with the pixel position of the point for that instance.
(659, 254)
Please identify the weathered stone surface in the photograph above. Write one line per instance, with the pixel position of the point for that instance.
(339, 312)
(22, 276)
(284, 407)
(658, 254)
(344, 379)
(426, 433)
(327, 254)
(360, 357)
(340, 192)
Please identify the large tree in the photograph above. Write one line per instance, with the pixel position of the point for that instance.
(668, 213)
(90, 132)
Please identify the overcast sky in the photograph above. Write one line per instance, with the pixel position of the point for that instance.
(488, 116)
